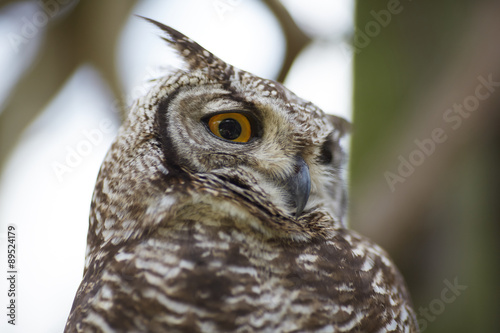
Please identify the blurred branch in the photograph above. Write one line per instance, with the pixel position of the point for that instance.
(296, 39)
(70, 42)
(53, 66)
(4, 3)
(100, 35)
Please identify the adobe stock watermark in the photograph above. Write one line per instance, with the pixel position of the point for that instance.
(437, 306)
(75, 155)
(32, 25)
(452, 117)
(381, 19)
(221, 7)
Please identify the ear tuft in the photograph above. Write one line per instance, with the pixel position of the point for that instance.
(342, 126)
(191, 52)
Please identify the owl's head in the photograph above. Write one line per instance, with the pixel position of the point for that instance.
(219, 143)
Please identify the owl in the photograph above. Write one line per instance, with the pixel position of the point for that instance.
(220, 208)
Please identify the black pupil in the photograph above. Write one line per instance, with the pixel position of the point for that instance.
(230, 129)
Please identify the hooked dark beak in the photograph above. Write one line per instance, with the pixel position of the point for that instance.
(298, 185)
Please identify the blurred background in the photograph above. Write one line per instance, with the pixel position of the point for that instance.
(418, 79)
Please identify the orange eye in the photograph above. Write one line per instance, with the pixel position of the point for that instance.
(231, 126)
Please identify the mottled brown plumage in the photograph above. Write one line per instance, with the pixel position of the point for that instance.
(190, 232)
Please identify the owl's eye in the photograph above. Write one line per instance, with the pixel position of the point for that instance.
(231, 126)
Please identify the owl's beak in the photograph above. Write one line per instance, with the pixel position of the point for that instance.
(299, 186)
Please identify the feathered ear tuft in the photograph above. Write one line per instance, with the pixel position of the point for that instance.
(191, 52)
(340, 137)
(342, 126)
